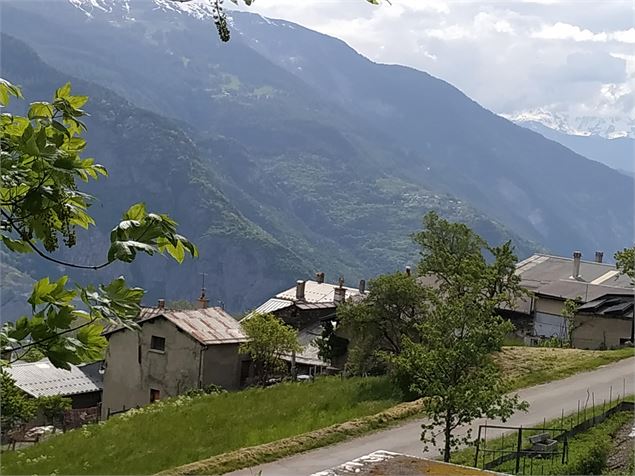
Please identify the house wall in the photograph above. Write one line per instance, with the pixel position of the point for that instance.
(596, 331)
(132, 368)
(591, 331)
(222, 365)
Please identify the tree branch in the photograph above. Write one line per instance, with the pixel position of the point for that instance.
(47, 257)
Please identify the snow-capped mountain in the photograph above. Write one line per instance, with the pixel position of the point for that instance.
(607, 127)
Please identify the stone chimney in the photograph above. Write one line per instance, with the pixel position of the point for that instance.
(299, 290)
(161, 304)
(599, 255)
(577, 257)
(319, 277)
(203, 302)
(408, 271)
(339, 295)
(362, 286)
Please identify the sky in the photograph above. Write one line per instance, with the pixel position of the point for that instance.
(574, 58)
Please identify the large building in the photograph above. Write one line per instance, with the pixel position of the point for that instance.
(173, 351)
(604, 317)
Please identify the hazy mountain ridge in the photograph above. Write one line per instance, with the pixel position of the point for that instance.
(325, 168)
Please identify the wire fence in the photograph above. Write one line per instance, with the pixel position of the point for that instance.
(535, 450)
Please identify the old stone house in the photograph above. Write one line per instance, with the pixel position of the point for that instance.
(306, 307)
(174, 351)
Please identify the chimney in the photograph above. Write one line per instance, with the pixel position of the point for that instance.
(598, 256)
(299, 290)
(161, 304)
(203, 302)
(407, 270)
(339, 295)
(362, 286)
(577, 256)
(319, 277)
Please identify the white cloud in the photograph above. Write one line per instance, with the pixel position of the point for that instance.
(568, 57)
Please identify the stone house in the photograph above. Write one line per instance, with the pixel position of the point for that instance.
(306, 307)
(173, 352)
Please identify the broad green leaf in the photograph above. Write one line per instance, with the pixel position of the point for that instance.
(41, 289)
(17, 246)
(64, 91)
(40, 110)
(136, 212)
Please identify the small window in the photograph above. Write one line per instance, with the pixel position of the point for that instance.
(157, 343)
(155, 395)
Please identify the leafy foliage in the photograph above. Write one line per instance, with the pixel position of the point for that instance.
(53, 408)
(269, 339)
(393, 307)
(625, 262)
(569, 310)
(15, 407)
(40, 202)
(451, 360)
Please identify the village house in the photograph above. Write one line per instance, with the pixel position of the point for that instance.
(604, 317)
(305, 307)
(173, 352)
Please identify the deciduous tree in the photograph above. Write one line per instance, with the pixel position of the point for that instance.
(269, 340)
(625, 262)
(451, 360)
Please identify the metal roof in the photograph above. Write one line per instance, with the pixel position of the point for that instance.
(540, 269)
(610, 306)
(42, 378)
(572, 289)
(309, 353)
(315, 292)
(272, 305)
(211, 325)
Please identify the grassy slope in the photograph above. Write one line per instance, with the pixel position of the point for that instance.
(149, 440)
(182, 430)
(527, 366)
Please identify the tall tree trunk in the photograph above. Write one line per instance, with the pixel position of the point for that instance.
(448, 435)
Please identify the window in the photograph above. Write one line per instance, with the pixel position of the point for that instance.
(155, 395)
(157, 343)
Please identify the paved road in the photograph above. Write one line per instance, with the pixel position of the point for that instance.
(547, 401)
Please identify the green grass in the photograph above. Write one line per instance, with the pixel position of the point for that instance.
(528, 366)
(184, 430)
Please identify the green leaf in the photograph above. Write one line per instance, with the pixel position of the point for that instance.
(17, 246)
(64, 91)
(41, 289)
(40, 110)
(136, 212)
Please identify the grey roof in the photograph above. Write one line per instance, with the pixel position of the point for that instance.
(610, 306)
(211, 325)
(571, 289)
(273, 305)
(309, 353)
(540, 269)
(42, 378)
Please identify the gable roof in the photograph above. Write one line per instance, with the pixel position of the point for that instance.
(41, 379)
(209, 326)
(541, 269)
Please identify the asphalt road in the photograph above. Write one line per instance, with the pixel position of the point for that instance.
(546, 402)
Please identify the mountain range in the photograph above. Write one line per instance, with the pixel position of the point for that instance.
(284, 152)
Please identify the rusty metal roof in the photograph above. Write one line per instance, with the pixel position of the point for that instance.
(41, 379)
(211, 325)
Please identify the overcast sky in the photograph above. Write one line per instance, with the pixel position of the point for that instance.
(575, 56)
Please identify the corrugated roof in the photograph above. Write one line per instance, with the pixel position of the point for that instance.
(540, 269)
(272, 305)
(42, 378)
(212, 325)
(309, 353)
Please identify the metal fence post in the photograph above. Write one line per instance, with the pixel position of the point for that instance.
(593, 403)
(518, 448)
(478, 444)
(578, 414)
